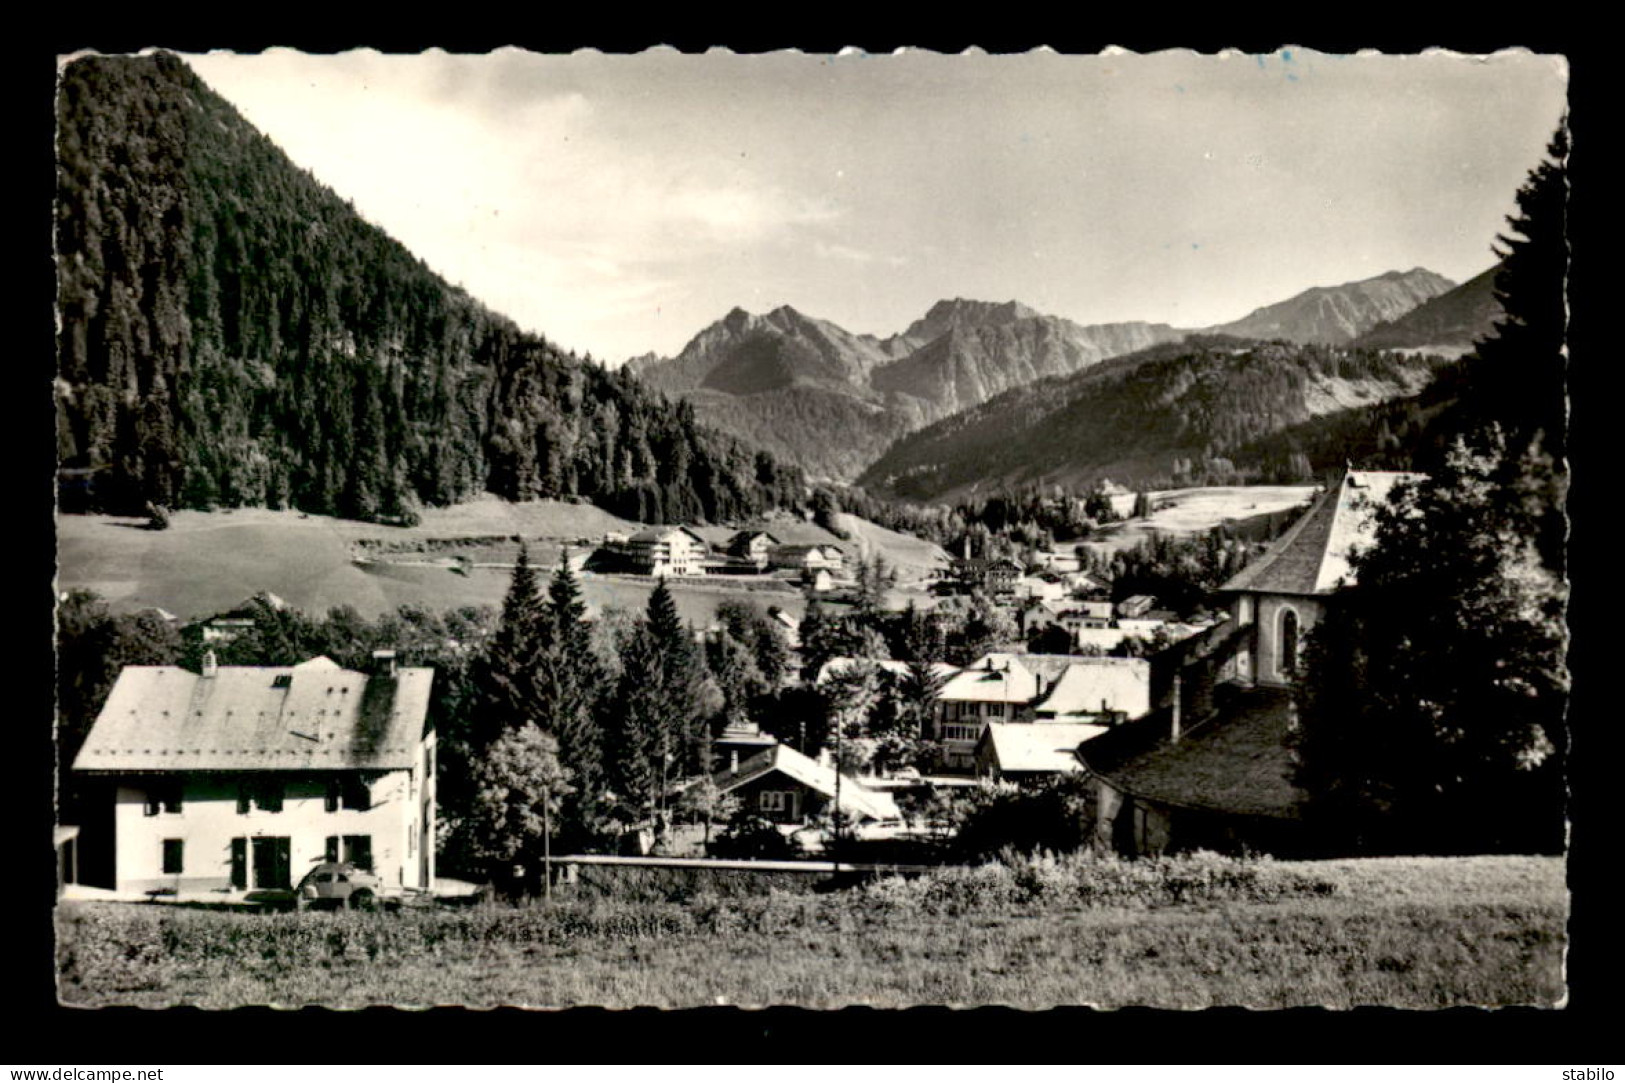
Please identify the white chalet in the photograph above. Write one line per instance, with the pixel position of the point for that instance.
(667, 550)
(242, 777)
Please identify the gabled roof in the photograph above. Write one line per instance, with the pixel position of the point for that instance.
(1239, 763)
(798, 548)
(1090, 685)
(1312, 557)
(994, 678)
(856, 799)
(315, 715)
(1038, 746)
(1048, 666)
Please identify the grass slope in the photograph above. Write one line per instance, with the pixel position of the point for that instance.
(1185, 933)
(208, 562)
(1183, 512)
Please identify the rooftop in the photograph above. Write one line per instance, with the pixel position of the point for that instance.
(1238, 763)
(1091, 685)
(856, 799)
(1312, 557)
(994, 678)
(1038, 746)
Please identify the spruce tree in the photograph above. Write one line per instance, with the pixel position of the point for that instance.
(633, 726)
(679, 669)
(1518, 375)
(506, 677)
(570, 679)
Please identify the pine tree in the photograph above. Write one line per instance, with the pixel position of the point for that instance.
(679, 670)
(1435, 687)
(506, 676)
(570, 677)
(655, 731)
(1518, 377)
(635, 727)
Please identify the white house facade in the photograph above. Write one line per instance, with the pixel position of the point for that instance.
(242, 778)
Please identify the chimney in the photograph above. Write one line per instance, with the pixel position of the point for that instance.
(210, 665)
(1173, 728)
(383, 664)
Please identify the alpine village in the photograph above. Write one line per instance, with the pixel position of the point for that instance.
(404, 657)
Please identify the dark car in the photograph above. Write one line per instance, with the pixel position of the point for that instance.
(339, 884)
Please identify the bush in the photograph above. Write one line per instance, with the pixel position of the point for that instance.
(1056, 816)
(1047, 880)
(157, 517)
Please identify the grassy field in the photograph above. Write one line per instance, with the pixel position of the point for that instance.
(1186, 933)
(209, 562)
(1192, 511)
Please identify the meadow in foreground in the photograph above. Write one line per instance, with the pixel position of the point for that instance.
(1187, 932)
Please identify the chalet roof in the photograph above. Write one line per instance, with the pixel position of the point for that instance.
(1048, 666)
(1239, 763)
(315, 715)
(798, 548)
(994, 678)
(656, 535)
(1092, 684)
(1037, 746)
(1312, 557)
(856, 799)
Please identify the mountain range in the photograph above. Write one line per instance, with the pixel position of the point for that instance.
(1448, 324)
(1210, 409)
(834, 401)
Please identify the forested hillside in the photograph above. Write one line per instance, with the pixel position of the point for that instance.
(1177, 413)
(234, 333)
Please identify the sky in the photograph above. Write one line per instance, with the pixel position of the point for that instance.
(618, 204)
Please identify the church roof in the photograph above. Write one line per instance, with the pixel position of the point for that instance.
(1312, 557)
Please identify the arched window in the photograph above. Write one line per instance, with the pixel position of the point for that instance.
(1288, 666)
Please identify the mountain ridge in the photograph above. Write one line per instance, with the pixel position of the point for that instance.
(833, 399)
(810, 390)
(1337, 314)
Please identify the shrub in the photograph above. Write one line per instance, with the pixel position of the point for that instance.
(1056, 816)
(157, 517)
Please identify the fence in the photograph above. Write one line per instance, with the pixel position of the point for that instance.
(665, 877)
